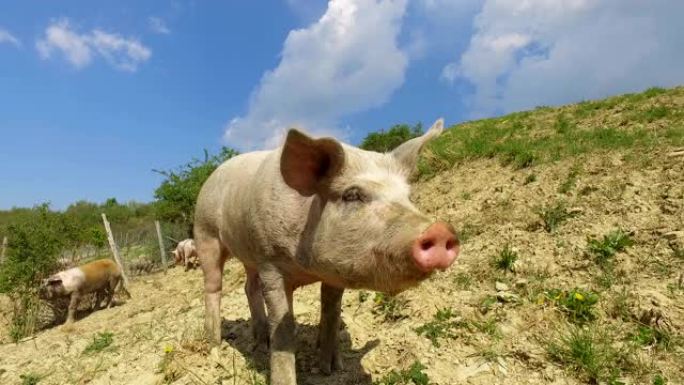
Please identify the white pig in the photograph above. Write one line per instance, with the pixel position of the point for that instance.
(315, 210)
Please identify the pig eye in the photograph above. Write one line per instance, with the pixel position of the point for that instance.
(354, 194)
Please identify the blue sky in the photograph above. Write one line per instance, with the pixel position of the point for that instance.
(93, 96)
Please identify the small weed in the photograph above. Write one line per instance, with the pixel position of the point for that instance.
(659, 380)
(441, 326)
(463, 281)
(411, 376)
(570, 181)
(577, 304)
(653, 114)
(678, 253)
(390, 307)
(603, 250)
(589, 353)
(654, 336)
(468, 230)
(363, 295)
(487, 326)
(506, 259)
(488, 303)
(167, 366)
(553, 216)
(531, 178)
(99, 343)
(30, 378)
(466, 195)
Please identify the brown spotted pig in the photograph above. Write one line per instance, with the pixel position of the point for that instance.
(315, 210)
(100, 277)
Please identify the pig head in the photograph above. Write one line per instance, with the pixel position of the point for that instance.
(315, 210)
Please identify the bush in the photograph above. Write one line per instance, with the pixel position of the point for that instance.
(385, 141)
(33, 246)
(177, 194)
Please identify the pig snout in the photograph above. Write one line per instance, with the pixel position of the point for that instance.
(435, 248)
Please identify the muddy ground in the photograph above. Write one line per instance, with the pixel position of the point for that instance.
(157, 333)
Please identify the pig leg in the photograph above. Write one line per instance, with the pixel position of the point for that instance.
(212, 258)
(110, 291)
(99, 295)
(278, 296)
(73, 306)
(328, 329)
(255, 297)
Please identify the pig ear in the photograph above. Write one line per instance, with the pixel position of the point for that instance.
(407, 153)
(307, 164)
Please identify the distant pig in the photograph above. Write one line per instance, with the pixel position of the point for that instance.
(100, 277)
(185, 254)
(315, 210)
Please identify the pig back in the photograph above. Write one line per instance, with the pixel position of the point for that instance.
(98, 274)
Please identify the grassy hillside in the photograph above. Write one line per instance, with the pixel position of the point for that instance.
(572, 229)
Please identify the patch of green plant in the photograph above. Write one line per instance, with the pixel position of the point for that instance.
(678, 253)
(363, 295)
(167, 365)
(510, 139)
(577, 304)
(604, 249)
(487, 326)
(99, 343)
(563, 125)
(391, 308)
(414, 375)
(463, 281)
(506, 259)
(468, 230)
(554, 215)
(30, 378)
(487, 303)
(659, 380)
(653, 336)
(589, 353)
(441, 326)
(530, 178)
(653, 114)
(570, 181)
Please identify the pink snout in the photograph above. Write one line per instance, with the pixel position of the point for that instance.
(436, 248)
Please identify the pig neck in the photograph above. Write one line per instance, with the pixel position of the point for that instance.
(286, 235)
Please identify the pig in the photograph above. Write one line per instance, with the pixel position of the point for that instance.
(314, 210)
(100, 277)
(186, 254)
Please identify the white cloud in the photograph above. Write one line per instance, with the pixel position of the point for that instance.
(158, 25)
(122, 53)
(346, 62)
(541, 52)
(7, 37)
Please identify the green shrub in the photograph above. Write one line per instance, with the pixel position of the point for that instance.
(441, 326)
(385, 141)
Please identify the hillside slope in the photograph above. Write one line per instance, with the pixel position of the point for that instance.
(538, 295)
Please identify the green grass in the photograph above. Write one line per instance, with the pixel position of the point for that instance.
(99, 343)
(589, 354)
(414, 375)
(506, 259)
(554, 215)
(441, 326)
(654, 336)
(463, 281)
(577, 304)
(391, 308)
(612, 243)
(30, 378)
(530, 138)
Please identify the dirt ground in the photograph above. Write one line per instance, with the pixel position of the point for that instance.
(157, 333)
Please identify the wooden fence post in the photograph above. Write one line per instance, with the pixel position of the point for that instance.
(115, 251)
(161, 245)
(4, 249)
